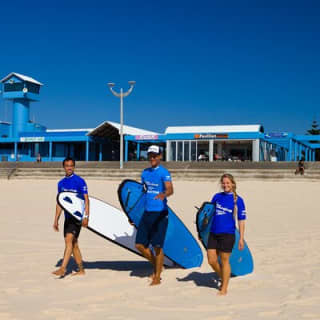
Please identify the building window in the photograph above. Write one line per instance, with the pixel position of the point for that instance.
(59, 150)
(33, 88)
(173, 151)
(180, 154)
(193, 150)
(16, 86)
(186, 151)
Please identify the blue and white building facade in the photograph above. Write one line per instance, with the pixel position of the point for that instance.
(230, 143)
(25, 140)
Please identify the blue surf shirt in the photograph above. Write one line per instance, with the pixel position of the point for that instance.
(154, 179)
(223, 219)
(73, 183)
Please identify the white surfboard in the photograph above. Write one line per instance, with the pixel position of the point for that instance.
(105, 220)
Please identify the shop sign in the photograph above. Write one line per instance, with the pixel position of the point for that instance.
(32, 139)
(147, 137)
(212, 136)
(276, 135)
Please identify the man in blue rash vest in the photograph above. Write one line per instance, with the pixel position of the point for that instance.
(154, 222)
(74, 183)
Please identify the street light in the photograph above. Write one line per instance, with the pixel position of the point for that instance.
(121, 95)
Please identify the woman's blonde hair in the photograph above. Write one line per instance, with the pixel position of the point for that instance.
(234, 191)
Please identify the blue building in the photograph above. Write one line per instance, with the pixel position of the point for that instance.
(25, 140)
(230, 143)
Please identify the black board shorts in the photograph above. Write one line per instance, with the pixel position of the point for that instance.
(222, 242)
(73, 226)
(152, 229)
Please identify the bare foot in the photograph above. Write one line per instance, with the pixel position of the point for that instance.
(79, 273)
(61, 272)
(222, 292)
(155, 281)
(151, 277)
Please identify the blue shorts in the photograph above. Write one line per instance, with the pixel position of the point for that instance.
(152, 229)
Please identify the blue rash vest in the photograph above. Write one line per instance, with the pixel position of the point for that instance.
(154, 179)
(223, 219)
(73, 183)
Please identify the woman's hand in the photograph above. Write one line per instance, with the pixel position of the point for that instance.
(241, 244)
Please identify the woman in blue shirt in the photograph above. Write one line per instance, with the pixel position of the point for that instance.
(229, 205)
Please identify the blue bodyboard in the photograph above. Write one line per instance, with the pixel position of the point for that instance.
(241, 261)
(179, 245)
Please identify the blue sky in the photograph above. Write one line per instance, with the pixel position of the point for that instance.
(195, 62)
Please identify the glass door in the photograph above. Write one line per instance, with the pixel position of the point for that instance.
(180, 151)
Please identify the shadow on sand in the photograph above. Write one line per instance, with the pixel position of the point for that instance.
(139, 269)
(209, 280)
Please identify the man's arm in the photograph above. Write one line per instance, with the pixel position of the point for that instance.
(86, 211)
(167, 193)
(56, 218)
(169, 189)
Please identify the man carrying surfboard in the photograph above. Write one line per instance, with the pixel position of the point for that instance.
(72, 227)
(154, 222)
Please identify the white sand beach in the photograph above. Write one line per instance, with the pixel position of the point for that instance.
(282, 232)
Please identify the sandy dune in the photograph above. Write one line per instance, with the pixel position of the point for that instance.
(282, 233)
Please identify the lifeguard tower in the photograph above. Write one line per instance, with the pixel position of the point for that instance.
(21, 90)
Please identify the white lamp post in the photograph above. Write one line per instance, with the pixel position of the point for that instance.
(121, 95)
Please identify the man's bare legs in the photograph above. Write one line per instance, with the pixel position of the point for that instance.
(158, 266)
(72, 247)
(67, 254)
(147, 253)
(78, 258)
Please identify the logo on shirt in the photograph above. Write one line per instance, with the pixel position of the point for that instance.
(69, 190)
(152, 187)
(222, 210)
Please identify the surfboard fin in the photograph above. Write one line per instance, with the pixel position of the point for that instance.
(67, 199)
(205, 222)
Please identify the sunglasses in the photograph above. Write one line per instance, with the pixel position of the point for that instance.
(152, 155)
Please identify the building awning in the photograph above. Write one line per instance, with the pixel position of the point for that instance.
(216, 129)
(21, 77)
(109, 129)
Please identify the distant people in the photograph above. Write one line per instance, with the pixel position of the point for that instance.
(202, 157)
(39, 158)
(153, 226)
(300, 168)
(72, 227)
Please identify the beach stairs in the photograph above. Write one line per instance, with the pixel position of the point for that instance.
(5, 173)
(180, 171)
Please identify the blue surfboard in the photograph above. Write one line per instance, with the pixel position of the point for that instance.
(179, 245)
(241, 261)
